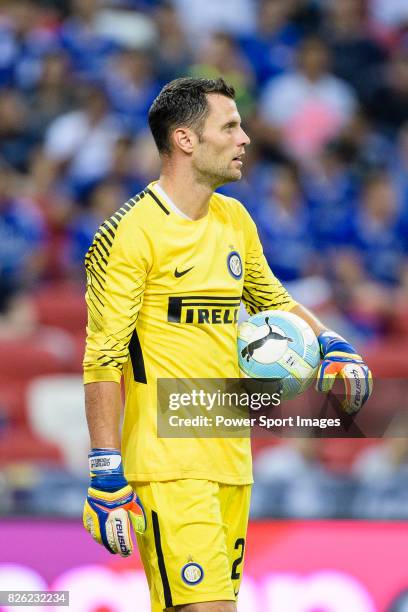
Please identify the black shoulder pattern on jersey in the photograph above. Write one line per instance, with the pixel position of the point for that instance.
(103, 238)
(96, 262)
(158, 202)
(258, 293)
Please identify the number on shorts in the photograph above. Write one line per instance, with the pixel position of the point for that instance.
(240, 543)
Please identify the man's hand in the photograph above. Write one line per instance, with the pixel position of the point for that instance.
(110, 503)
(341, 360)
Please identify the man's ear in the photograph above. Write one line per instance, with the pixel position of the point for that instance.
(184, 139)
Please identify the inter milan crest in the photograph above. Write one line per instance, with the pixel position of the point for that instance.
(192, 573)
(234, 264)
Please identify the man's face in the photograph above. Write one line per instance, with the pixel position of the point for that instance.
(314, 59)
(217, 156)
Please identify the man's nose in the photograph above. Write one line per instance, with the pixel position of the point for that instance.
(245, 139)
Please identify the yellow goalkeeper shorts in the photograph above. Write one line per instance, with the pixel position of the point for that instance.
(193, 548)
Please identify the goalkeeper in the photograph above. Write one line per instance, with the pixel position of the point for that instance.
(165, 278)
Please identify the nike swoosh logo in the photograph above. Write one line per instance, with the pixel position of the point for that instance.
(177, 274)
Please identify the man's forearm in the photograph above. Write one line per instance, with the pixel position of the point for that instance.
(103, 405)
(306, 315)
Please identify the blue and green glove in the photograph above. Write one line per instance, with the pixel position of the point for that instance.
(111, 502)
(341, 360)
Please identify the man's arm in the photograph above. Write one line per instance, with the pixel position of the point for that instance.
(103, 405)
(263, 291)
(110, 501)
(305, 314)
(116, 266)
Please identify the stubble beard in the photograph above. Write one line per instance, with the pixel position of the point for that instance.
(216, 176)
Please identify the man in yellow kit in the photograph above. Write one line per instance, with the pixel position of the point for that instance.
(165, 278)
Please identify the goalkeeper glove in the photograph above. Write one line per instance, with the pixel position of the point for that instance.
(110, 503)
(340, 359)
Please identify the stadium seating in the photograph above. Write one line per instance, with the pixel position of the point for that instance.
(61, 305)
(20, 445)
(55, 412)
(24, 360)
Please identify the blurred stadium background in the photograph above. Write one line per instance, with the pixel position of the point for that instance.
(323, 90)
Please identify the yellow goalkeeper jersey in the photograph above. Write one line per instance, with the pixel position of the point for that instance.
(163, 295)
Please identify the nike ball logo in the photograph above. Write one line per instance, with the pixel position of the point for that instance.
(177, 274)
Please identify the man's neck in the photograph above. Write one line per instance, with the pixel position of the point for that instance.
(190, 196)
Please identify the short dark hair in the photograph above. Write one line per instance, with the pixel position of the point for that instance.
(183, 102)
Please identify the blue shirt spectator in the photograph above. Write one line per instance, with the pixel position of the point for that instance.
(104, 200)
(23, 44)
(357, 57)
(131, 88)
(251, 189)
(331, 191)
(79, 144)
(378, 230)
(272, 50)
(88, 50)
(22, 234)
(284, 227)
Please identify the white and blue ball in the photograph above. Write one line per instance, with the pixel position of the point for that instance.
(279, 345)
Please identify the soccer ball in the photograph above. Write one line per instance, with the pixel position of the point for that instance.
(279, 345)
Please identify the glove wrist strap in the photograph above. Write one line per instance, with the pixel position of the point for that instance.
(106, 469)
(331, 341)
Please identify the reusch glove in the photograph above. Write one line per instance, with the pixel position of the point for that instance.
(340, 360)
(110, 503)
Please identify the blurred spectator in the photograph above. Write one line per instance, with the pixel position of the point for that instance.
(56, 205)
(126, 27)
(391, 14)
(17, 315)
(144, 160)
(131, 88)
(6, 495)
(331, 188)
(47, 490)
(52, 96)
(16, 141)
(377, 229)
(400, 152)
(222, 57)
(356, 57)
(22, 235)
(123, 169)
(306, 15)
(200, 18)
(135, 163)
(399, 172)
(105, 198)
(309, 106)
(19, 324)
(382, 475)
(367, 148)
(81, 142)
(370, 261)
(23, 42)
(284, 226)
(255, 182)
(272, 49)
(174, 55)
(367, 305)
(291, 480)
(388, 105)
(87, 48)
(399, 321)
